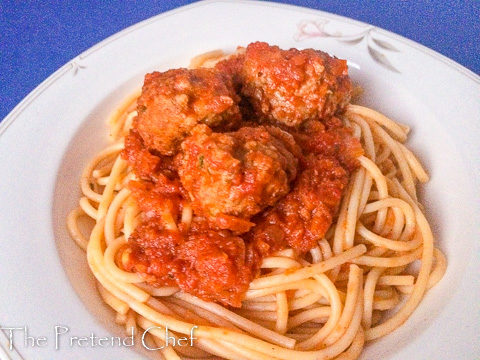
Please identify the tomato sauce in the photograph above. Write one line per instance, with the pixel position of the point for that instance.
(218, 253)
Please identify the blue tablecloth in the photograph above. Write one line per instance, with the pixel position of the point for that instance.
(37, 37)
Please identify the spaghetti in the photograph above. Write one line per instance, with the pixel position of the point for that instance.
(324, 304)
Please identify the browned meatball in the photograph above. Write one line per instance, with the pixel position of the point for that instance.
(232, 67)
(304, 215)
(173, 102)
(291, 86)
(233, 176)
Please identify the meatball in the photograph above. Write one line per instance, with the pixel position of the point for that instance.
(330, 138)
(173, 102)
(291, 86)
(232, 67)
(230, 177)
(209, 264)
(303, 217)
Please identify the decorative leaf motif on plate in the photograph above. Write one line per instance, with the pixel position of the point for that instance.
(308, 29)
(76, 66)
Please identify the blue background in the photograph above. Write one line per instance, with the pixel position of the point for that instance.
(38, 37)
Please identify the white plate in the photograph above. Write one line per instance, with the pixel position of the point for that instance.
(49, 136)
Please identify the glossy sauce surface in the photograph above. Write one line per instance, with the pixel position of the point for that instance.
(272, 180)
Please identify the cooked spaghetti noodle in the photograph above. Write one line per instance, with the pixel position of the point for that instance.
(324, 304)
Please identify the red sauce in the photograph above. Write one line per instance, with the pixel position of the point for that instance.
(210, 264)
(220, 253)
